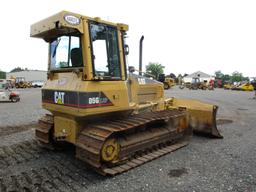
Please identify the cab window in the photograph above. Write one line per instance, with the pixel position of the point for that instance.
(105, 52)
(66, 52)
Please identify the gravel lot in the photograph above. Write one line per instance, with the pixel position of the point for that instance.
(204, 165)
(27, 111)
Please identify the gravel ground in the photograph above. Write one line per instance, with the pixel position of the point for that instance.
(25, 112)
(204, 165)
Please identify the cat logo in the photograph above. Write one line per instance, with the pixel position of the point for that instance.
(59, 97)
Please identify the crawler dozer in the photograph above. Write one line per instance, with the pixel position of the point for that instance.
(20, 82)
(116, 119)
(197, 84)
(243, 87)
(167, 81)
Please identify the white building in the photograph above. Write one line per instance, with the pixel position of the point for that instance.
(29, 75)
(201, 75)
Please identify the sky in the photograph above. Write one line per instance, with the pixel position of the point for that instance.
(183, 35)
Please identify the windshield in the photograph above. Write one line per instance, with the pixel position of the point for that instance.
(105, 53)
(66, 52)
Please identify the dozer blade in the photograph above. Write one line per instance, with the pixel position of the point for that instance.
(202, 116)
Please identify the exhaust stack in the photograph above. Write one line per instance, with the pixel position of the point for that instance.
(140, 56)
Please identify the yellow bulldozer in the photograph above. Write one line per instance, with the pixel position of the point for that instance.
(239, 87)
(116, 119)
(20, 82)
(197, 84)
(167, 81)
(243, 87)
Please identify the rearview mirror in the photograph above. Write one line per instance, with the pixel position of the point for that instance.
(126, 49)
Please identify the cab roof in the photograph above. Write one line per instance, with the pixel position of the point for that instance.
(68, 22)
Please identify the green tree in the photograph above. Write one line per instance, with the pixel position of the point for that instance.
(155, 69)
(63, 64)
(2, 75)
(226, 78)
(246, 79)
(236, 76)
(219, 74)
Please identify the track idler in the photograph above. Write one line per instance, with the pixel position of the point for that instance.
(110, 150)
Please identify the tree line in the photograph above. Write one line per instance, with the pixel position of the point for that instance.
(16, 69)
(234, 77)
(155, 69)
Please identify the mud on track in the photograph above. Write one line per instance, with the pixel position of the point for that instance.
(28, 167)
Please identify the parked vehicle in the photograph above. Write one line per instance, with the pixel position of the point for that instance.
(20, 82)
(167, 81)
(36, 84)
(197, 84)
(243, 87)
(6, 94)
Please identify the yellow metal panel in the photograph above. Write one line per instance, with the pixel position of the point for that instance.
(122, 27)
(49, 23)
(39, 28)
(115, 91)
(88, 71)
(121, 54)
(65, 128)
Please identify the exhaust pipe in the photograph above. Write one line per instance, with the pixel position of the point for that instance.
(140, 56)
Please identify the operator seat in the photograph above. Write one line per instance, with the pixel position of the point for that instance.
(76, 57)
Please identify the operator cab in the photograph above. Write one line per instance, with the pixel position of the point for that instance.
(66, 51)
(85, 44)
